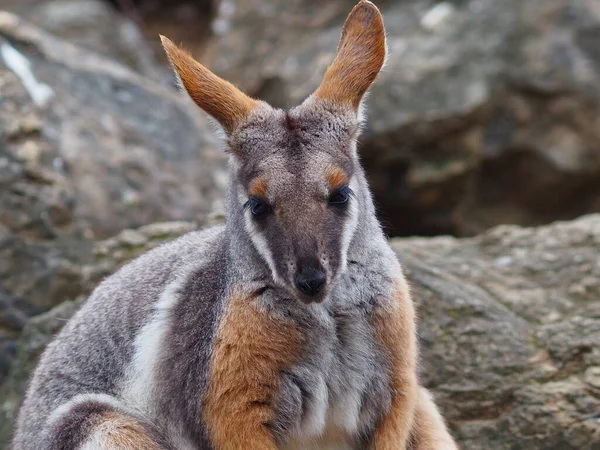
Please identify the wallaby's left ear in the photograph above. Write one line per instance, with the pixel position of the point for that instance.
(360, 57)
(217, 97)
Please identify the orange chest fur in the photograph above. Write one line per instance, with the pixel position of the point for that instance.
(318, 379)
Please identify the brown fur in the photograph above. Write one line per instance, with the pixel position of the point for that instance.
(219, 98)
(250, 352)
(429, 430)
(336, 178)
(396, 333)
(360, 56)
(117, 431)
(258, 188)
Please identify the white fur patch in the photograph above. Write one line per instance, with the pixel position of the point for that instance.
(262, 247)
(346, 411)
(138, 389)
(349, 227)
(316, 415)
(97, 439)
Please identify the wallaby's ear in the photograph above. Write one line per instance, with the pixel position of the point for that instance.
(219, 98)
(361, 54)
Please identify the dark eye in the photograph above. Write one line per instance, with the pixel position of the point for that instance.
(259, 208)
(340, 195)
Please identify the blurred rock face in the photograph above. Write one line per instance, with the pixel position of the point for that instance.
(93, 25)
(487, 112)
(125, 150)
(187, 21)
(87, 148)
(509, 325)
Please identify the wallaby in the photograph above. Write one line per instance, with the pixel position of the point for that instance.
(289, 327)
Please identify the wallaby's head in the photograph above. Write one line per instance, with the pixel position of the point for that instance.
(297, 189)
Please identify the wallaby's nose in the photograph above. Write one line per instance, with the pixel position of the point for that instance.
(310, 280)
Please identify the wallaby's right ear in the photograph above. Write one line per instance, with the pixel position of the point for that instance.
(360, 57)
(219, 98)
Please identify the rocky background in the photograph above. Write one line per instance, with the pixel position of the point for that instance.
(487, 114)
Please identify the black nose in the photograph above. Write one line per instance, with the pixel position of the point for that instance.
(310, 281)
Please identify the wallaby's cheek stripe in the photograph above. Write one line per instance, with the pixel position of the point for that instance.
(395, 332)
(115, 430)
(250, 351)
(349, 229)
(262, 246)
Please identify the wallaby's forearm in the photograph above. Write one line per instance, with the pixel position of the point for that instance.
(394, 325)
(251, 350)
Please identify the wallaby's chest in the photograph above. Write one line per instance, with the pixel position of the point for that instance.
(339, 389)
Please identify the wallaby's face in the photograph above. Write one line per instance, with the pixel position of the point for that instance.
(294, 182)
(293, 171)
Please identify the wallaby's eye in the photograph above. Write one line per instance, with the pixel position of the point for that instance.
(259, 208)
(340, 195)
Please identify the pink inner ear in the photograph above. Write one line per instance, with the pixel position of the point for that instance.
(361, 54)
(219, 98)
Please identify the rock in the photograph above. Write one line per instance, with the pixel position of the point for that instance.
(111, 253)
(487, 112)
(123, 150)
(510, 325)
(94, 25)
(266, 47)
(14, 313)
(34, 276)
(87, 149)
(38, 332)
(509, 330)
(188, 21)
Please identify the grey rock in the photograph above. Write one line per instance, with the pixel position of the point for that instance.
(509, 330)
(181, 20)
(36, 335)
(87, 149)
(510, 325)
(93, 25)
(487, 112)
(124, 150)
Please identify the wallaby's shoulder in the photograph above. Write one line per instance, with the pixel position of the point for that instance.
(191, 247)
(166, 261)
(130, 294)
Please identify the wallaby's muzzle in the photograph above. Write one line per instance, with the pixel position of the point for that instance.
(310, 281)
